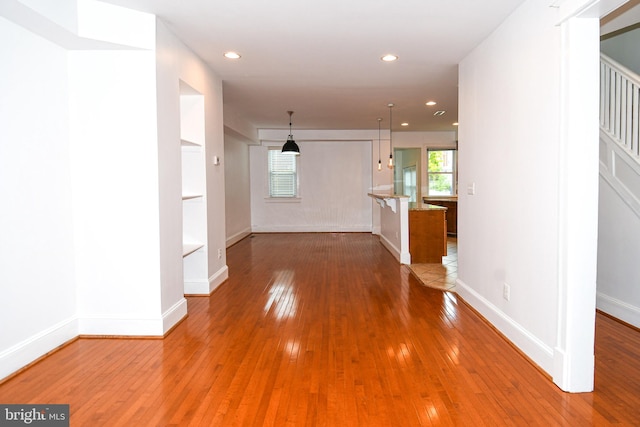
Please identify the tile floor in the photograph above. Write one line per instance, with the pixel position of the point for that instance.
(440, 276)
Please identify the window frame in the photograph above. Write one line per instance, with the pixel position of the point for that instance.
(453, 173)
(296, 176)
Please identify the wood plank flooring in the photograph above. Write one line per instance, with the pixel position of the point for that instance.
(326, 330)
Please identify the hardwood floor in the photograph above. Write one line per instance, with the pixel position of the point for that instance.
(326, 330)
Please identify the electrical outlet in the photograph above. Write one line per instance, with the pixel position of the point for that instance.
(506, 291)
(219, 253)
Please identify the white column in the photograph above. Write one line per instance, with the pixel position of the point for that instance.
(578, 205)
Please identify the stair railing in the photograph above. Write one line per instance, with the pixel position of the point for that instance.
(620, 105)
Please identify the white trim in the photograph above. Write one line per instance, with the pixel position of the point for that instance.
(615, 156)
(121, 325)
(619, 309)
(401, 257)
(311, 229)
(283, 199)
(196, 287)
(20, 355)
(173, 315)
(528, 343)
(218, 278)
(232, 240)
(205, 287)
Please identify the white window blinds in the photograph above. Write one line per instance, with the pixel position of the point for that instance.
(283, 178)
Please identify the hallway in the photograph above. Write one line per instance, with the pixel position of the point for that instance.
(326, 329)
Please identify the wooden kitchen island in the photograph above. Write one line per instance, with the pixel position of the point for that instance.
(427, 233)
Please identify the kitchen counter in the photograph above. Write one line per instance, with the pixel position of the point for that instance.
(427, 233)
(451, 203)
(425, 207)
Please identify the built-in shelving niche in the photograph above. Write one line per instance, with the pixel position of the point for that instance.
(194, 206)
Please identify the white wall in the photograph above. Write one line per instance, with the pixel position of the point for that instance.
(619, 223)
(618, 232)
(237, 187)
(90, 163)
(37, 283)
(334, 179)
(176, 62)
(115, 184)
(624, 48)
(528, 143)
(510, 225)
(618, 249)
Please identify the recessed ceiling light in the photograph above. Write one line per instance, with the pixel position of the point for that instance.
(438, 113)
(455, 123)
(232, 55)
(404, 124)
(431, 103)
(389, 57)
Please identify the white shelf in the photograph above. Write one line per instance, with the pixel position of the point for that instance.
(189, 248)
(193, 188)
(188, 143)
(191, 196)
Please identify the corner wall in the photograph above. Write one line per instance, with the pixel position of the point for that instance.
(237, 187)
(37, 269)
(175, 63)
(528, 185)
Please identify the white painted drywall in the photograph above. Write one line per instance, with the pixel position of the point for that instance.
(37, 282)
(175, 63)
(624, 48)
(237, 187)
(528, 145)
(618, 249)
(334, 179)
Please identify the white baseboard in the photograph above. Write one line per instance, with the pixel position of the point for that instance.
(174, 315)
(218, 278)
(529, 344)
(22, 354)
(121, 326)
(311, 229)
(196, 287)
(232, 240)
(390, 247)
(619, 309)
(402, 257)
(205, 287)
(25, 352)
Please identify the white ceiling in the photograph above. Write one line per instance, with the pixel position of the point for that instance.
(321, 59)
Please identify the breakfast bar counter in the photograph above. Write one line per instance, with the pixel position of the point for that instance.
(427, 233)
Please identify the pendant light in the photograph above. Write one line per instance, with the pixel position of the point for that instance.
(390, 164)
(379, 161)
(290, 146)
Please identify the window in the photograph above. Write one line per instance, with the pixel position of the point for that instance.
(409, 183)
(441, 171)
(283, 174)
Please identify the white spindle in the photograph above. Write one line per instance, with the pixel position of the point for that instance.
(620, 104)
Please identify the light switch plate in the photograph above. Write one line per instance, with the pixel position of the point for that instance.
(471, 189)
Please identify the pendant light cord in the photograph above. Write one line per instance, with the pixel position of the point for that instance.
(390, 133)
(379, 120)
